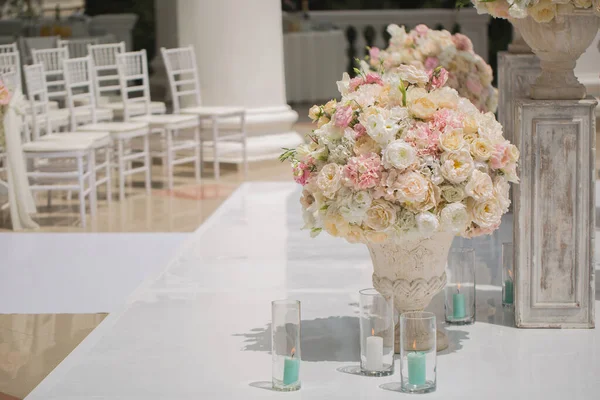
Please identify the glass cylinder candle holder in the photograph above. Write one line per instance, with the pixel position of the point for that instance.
(376, 333)
(418, 352)
(508, 276)
(460, 287)
(285, 331)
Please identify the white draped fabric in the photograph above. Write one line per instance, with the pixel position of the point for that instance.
(19, 195)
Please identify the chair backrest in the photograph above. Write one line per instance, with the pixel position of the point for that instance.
(36, 42)
(182, 72)
(52, 60)
(133, 78)
(9, 48)
(11, 80)
(104, 64)
(80, 87)
(10, 62)
(37, 92)
(78, 47)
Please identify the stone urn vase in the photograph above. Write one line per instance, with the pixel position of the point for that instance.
(558, 44)
(413, 271)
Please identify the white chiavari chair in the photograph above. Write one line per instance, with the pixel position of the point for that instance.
(78, 77)
(42, 128)
(26, 44)
(52, 61)
(135, 91)
(76, 157)
(106, 81)
(182, 72)
(78, 47)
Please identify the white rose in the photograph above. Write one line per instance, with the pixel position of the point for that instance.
(454, 217)
(583, 3)
(381, 215)
(544, 11)
(412, 74)
(329, 180)
(482, 149)
(407, 224)
(480, 186)
(452, 140)
(487, 213)
(427, 223)
(488, 127)
(412, 187)
(501, 192)
(457, 166)
(399, 154)
(382, 130)
(423, 108)
(445, 97)
(413, 93)
(344, 85)
(398, 34)
(354, 206)
(518, 9)
(329, 133)
(452, 193)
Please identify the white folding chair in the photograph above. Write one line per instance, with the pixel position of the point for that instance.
(78, 47)
(181, 69)
(133, 73)
(77, 158)
(78, 77)
(43, 129)
(106, 81)
(52, 61)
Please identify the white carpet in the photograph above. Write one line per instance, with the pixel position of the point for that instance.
(79, 272)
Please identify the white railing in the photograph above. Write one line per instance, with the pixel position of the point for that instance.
(367, 27)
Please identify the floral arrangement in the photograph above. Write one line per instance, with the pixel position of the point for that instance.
(4, 100)
(427, 48)
(403, 156)
(540, 10)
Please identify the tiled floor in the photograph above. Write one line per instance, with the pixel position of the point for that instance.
(32, 345)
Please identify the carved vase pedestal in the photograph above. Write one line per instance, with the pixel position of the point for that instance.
(554, 215)
(413, 271)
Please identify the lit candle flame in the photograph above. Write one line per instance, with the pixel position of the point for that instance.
(458, 287)
(372, 331)
(510, 274)
(415, 344)
(293, 351)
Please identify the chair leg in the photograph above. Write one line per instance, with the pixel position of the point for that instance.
(148, 162)
(108, 169)
(92, 183)
(215, 132)
(121, 169)
(170, 158)
(198, 152)
(81, 191)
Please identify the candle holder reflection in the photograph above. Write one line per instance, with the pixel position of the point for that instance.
(460, 287)
(376, 333)
(508, 287)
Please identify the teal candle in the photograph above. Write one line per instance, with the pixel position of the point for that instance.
(291, 370)
(508, 292)
(416, 368)
(458, 305)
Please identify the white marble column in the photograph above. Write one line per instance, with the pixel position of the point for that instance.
(239, 49)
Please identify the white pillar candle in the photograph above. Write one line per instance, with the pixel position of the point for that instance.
(374, 353)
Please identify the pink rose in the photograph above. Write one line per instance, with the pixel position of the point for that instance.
(500, 157)
(474, 86)
(431, 63)
(360, 131)
(363, 172)
(422, 29)
(373, 78)
(370, 78)
(423, 138)
(342, 116)
(438, 78)
(374, 53)
(462, 42)
(446, 118)
(301, 173)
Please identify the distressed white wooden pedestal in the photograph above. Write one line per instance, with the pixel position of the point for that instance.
(555, 213)
(516, 72)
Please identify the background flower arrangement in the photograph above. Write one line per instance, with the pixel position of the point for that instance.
(4, 100)
(402, 156)
(540, 10)
(468, 73)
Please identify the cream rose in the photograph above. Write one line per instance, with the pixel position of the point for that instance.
(480, 186)
(486, 214)
(454, 218)
(470, 125)
(335, 224)
(513, 153)
(423, 108)
(365, 146)
(432, 199)
(544, 11)
(355, 234)
(427, 223)
(452, 194)
(482, 149)
(399, 155)
(315, 113)
(452, 140)
(381, 215)
(412, 187)
(412, 74)
(445, 97)
(583, 3)
(330, 106)
(329, 180)
(501, 192)
(457, 166)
